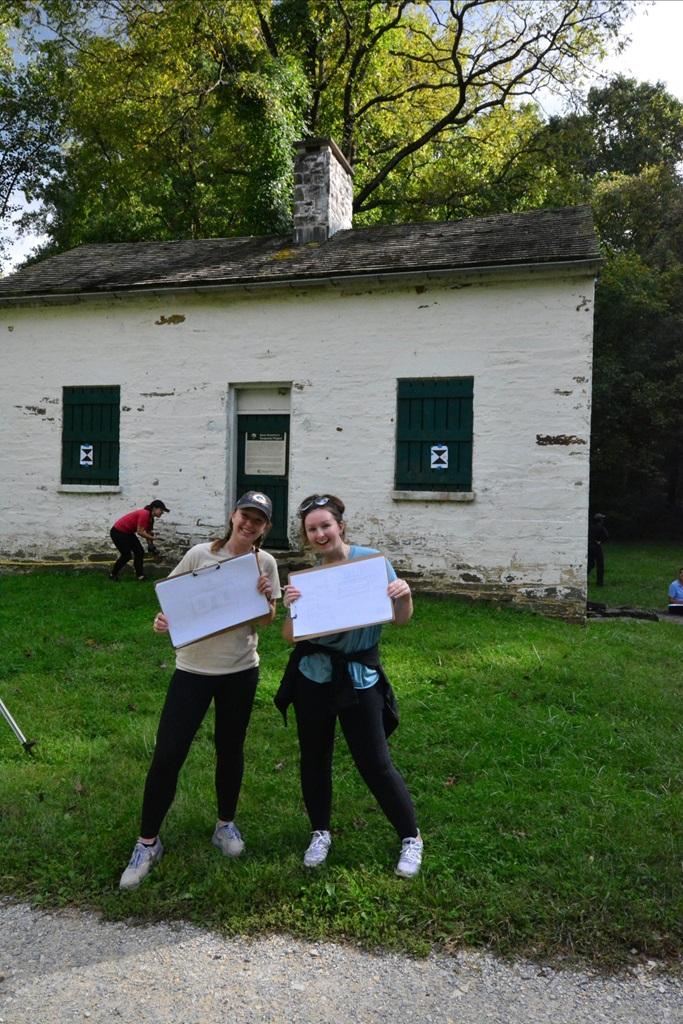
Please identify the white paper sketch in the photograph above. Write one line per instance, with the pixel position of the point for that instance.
(343, 596)
(212, 599)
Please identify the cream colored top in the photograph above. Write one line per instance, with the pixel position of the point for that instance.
(228, 652)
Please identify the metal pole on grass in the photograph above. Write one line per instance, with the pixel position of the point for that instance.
(26, 744)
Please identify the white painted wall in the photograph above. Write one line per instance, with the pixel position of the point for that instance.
(527, 343)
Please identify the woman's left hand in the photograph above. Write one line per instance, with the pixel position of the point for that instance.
(398, 589)
(265, 586)
(290, 594)
(160, 624)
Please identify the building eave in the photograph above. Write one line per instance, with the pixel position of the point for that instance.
(376, 277)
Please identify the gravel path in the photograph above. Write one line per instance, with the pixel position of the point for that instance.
(56, 968)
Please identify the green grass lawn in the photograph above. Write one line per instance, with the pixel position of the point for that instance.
(637, 575)
(544, 760)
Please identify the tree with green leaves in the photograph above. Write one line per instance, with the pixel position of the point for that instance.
(637, 458)
(27, 142)
(173, 123)
(176, 119)
(621, 151)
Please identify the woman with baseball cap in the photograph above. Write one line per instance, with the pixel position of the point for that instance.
(222, 669)
(125, 532)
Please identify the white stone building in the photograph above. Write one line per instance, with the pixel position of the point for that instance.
(436, 376)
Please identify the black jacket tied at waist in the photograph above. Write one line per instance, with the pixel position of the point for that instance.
(344, 693)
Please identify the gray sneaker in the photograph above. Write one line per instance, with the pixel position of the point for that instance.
(318, 849)
(228, 839)
(142, 860)
(411, 857)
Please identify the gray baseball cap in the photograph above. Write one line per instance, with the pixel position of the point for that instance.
(257, 500)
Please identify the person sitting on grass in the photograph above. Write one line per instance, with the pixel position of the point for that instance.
(222, 669)
(676, 595)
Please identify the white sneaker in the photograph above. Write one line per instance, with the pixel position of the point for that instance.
(142, 860)
(318, 849)
(228, 839)
(411, 857)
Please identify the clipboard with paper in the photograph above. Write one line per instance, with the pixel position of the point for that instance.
(345, 595)
(211, 599)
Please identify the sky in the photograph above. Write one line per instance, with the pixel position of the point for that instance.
(653, 54)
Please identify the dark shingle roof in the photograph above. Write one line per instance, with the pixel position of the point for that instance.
(540, 237)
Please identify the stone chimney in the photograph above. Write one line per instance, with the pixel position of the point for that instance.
(323, 191)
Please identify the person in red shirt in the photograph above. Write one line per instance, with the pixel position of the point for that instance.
(125, 532)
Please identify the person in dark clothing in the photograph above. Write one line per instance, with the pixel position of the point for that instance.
(597, 535)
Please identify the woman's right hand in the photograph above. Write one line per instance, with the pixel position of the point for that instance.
(290, 594)
(160, 624)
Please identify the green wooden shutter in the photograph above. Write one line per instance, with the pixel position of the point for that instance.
(434, 411)
(90, 420)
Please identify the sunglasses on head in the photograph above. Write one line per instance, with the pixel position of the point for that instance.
(318, 502)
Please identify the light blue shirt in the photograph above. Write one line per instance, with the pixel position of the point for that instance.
(676, 590)
(318, 667)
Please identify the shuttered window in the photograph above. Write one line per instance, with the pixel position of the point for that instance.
(434, 434)
(90, 435)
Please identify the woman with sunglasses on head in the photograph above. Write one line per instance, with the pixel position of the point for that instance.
(339, 676)
(222, 668)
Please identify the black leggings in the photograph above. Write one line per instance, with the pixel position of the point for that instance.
(188, 699)
(596, 558)
(363, 730)
(130, 547)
